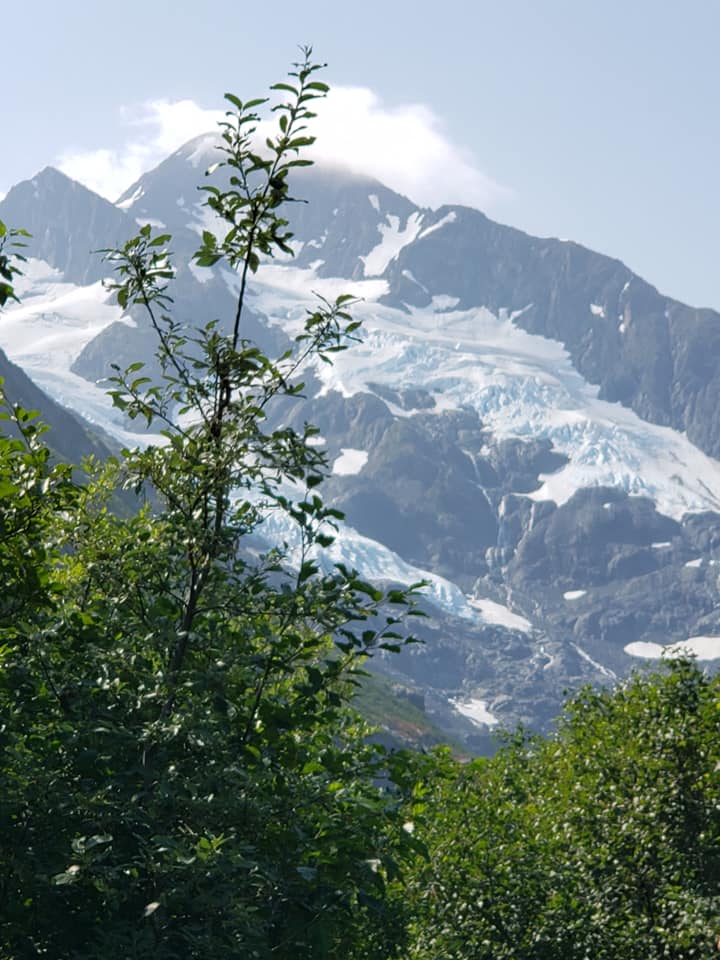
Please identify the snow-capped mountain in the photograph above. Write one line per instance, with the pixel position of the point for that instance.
(526, 424)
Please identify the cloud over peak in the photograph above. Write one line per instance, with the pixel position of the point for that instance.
(403, 146)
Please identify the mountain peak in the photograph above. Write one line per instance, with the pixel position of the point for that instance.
(66, 221)
(50, 180)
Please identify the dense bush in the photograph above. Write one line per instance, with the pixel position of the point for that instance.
(602, 841)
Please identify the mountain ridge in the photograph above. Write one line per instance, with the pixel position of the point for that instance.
(610, 348)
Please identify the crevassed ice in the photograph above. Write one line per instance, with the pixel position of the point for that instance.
(371, 559)
(46, 331)
(377, 562)
(523, 385)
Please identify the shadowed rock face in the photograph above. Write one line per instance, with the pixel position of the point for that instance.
(432, 484)
(596, 537)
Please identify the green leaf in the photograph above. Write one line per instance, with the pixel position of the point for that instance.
(285, 87)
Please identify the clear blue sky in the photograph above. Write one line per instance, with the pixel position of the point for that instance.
(601, 118)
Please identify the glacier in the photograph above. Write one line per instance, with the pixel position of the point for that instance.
(521, 385)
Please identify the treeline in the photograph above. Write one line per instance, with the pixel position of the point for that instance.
(183, 774)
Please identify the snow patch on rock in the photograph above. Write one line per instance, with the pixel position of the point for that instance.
(393, 240)
(702, 648)
(350, 462)
(448, 218)
(475, 710)
(501, 616)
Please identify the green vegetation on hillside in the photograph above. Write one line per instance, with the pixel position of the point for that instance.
(397, 714)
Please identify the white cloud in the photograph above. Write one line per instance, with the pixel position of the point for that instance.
(107, 172)
(404, 147)
(157, 128)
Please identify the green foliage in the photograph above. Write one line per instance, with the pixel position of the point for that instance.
(601, 842)
(32, 492)
(11, 242)
(182, 776)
